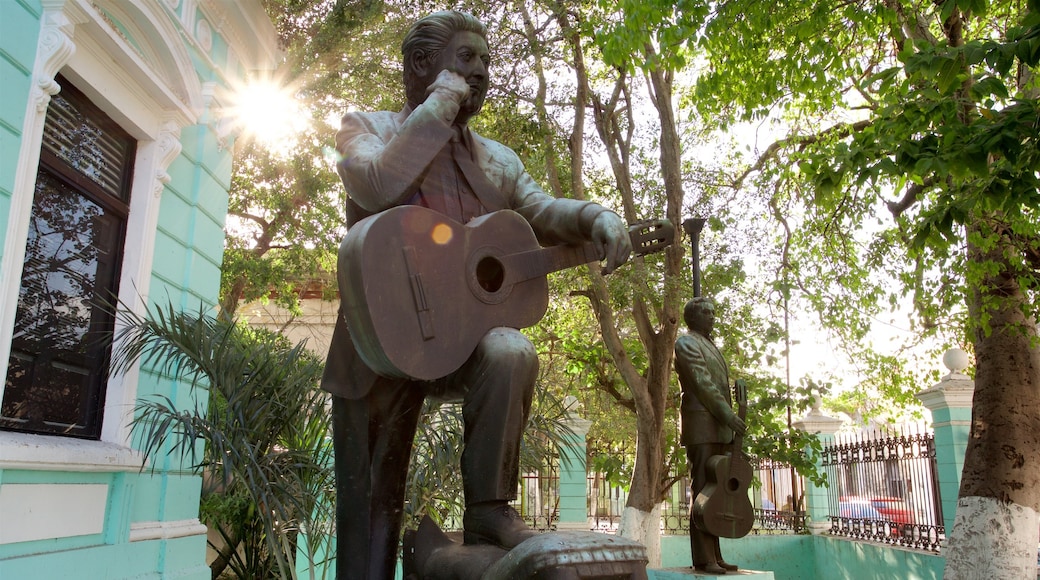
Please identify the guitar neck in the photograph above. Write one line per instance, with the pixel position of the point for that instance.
(532, 264)
(647, 237)
(738, 440)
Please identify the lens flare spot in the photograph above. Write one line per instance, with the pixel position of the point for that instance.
(441, 234)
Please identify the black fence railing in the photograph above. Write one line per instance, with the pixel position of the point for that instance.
(883, 488)
(538, 503)
(539, 500)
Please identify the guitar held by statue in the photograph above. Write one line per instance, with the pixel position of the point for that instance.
(420, 290)
(723, 508)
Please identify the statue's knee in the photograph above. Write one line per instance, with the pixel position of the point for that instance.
(509, 344)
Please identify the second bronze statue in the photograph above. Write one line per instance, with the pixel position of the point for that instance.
(711, 434)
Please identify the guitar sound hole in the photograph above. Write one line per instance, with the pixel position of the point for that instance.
(733, 484)
(490, 274)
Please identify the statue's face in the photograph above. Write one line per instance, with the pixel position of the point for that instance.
(467, 54)
(702, 319)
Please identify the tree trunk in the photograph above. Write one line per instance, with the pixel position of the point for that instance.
(657, 330)
(636, 523)
(647, 488)
(995, 534)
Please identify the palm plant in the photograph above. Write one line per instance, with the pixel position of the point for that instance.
(264, 424)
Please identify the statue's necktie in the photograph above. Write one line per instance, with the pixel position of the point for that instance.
(456, 186)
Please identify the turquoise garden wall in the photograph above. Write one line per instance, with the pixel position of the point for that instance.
(806, 557)
(164, 71)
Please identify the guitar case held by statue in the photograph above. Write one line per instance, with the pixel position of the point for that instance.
(723, 508)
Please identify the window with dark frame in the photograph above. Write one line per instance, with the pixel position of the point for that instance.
(57, 371)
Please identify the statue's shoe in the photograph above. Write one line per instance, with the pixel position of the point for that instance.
(727, 566)
(497, 524)
(711, 568)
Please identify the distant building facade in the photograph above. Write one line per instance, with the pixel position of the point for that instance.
(115, 163)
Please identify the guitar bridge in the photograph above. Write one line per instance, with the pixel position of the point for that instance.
(422, 308)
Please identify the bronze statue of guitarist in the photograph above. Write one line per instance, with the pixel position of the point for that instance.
(426, 155)
(709, 427)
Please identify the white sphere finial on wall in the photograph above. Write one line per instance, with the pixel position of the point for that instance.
(956, 360)
(571, 404)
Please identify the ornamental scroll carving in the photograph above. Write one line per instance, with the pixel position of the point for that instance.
(55, 50)
(169, 147)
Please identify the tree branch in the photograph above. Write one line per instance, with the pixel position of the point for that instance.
(800, 141)
(608, 386)
(264, 224)
(909, 198)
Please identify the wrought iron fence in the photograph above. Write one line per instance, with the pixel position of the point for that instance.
(777, 510)
(539, 500)
(606, 502)
(883, 487)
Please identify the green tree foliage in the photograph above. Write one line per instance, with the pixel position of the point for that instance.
(911, 158)
(285, 223)
(595, 118)
(587, 94)
(286, 206)
(434, 485)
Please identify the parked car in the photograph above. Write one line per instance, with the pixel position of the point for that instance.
(860, 508)
(898, 511)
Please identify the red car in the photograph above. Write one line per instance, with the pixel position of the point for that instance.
(897, 511)
(890, 509)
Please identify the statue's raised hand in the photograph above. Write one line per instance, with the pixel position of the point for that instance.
(450, 84)
(610, 235)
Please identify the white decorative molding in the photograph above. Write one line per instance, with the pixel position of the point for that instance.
(188, 9)
(221, 125)
(169, 146)
(52, 453)
(815, 422)
(204, 34)
(146, 54)
(54, 51)
(948, 394)
(246, 29)
(233, 63)
(173, 4)
(144, 531)
(956, 390)
(956, 359)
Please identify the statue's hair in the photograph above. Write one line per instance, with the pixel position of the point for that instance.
(695, 305)
(427, 37)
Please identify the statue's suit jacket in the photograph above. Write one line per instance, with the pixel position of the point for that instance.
(706, 398)
(384, 157)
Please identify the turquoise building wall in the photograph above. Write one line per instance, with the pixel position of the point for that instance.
(173, 70)
(19, 36)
